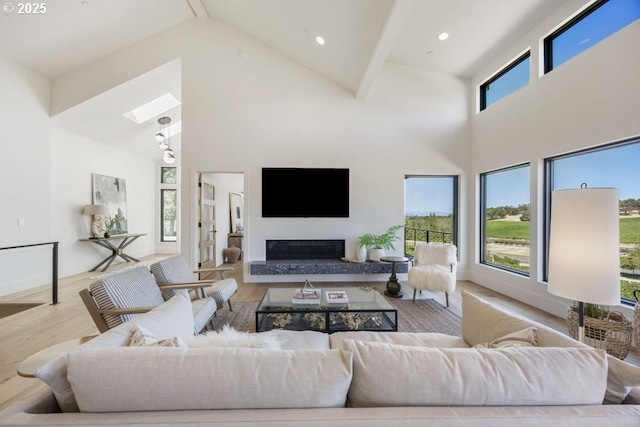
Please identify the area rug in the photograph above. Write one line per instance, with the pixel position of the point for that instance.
(420, 316)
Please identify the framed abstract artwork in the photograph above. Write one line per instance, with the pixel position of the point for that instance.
(111, 192)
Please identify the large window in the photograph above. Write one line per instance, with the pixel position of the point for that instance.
(590, 27)
(510, 79)
(168, 204)
(431, 210)
(613, 165)
(505, 220)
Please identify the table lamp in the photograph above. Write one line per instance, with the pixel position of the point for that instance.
(97, 211)
(584, 247)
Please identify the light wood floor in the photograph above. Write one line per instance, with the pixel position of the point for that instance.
(35, 329)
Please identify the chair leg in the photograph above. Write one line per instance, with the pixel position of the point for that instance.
(414, 295)
(446, 297)
(229, 302)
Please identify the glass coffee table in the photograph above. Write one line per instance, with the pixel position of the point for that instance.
(367, 310)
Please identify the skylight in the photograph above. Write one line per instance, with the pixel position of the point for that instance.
(152, 109)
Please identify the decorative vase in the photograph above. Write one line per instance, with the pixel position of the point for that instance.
(362, 253)
(231, 254)
(375, 254)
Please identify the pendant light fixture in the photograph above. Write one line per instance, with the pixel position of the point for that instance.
(163, 122)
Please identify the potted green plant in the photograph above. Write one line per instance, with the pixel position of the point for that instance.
(378, 243)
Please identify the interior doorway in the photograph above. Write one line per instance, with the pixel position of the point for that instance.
(221, 218)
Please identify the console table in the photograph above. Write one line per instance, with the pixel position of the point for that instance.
(116, 251)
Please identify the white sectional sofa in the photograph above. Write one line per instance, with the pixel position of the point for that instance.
(347, 378)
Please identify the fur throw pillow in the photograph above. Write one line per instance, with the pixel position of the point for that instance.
(229, 337)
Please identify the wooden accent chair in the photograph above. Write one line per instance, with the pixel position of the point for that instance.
(120, 297)
(176, 271)
(433, 268)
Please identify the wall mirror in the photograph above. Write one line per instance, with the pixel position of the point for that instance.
(236, 206)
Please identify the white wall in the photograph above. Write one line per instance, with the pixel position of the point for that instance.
(590, 100)
(268, 111)
(25, 173)
(74, 159)
(240, 115)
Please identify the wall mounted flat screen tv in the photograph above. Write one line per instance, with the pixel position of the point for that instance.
(305, 193)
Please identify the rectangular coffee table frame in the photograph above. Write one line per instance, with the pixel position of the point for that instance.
(367, 310)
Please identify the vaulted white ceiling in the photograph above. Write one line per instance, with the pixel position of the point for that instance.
(360, 35)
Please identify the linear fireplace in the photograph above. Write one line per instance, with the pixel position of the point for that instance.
(305, 249)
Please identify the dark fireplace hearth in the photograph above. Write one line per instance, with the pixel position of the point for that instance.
(305, 249)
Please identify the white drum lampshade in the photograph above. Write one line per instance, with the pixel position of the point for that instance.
(584, 248)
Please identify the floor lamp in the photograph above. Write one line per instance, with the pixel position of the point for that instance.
(584, 247)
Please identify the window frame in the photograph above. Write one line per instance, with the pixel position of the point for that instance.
(455, 206)
(548, 190)
(163, 191)
(483, 218)
(513, 64)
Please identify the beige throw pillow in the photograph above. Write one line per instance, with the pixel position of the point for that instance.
(142, 337)
(524, 338)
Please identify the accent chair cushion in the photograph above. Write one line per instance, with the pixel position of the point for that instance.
(131, 288)
(172, 270)
(394, 375)
(433, 253)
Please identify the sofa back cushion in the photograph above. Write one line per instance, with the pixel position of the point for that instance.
(395, 375)
(157, 379)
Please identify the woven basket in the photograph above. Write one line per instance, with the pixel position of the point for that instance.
(612, 334)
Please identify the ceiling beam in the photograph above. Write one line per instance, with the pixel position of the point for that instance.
(198, 8)
(398, 16)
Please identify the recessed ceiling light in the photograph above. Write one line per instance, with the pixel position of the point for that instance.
(443, 36)
(320, 40)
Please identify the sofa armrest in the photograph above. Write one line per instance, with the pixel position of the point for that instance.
(122, 311)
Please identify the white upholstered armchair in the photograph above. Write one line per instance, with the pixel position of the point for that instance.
(434, 269)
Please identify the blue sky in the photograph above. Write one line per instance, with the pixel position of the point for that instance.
(617, 167)
(508, 188)
(429, 194)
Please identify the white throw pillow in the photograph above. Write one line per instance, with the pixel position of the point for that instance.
(395, 375)
(229, 337)
(524, 338)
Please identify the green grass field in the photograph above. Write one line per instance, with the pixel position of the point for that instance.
(629, 230)
(508, 229)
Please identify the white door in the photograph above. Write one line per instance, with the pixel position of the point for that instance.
(207, 224)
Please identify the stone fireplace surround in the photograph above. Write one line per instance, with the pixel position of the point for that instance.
(309, 256)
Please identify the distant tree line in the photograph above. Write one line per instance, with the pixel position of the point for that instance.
(628, 206)
(501, 212)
